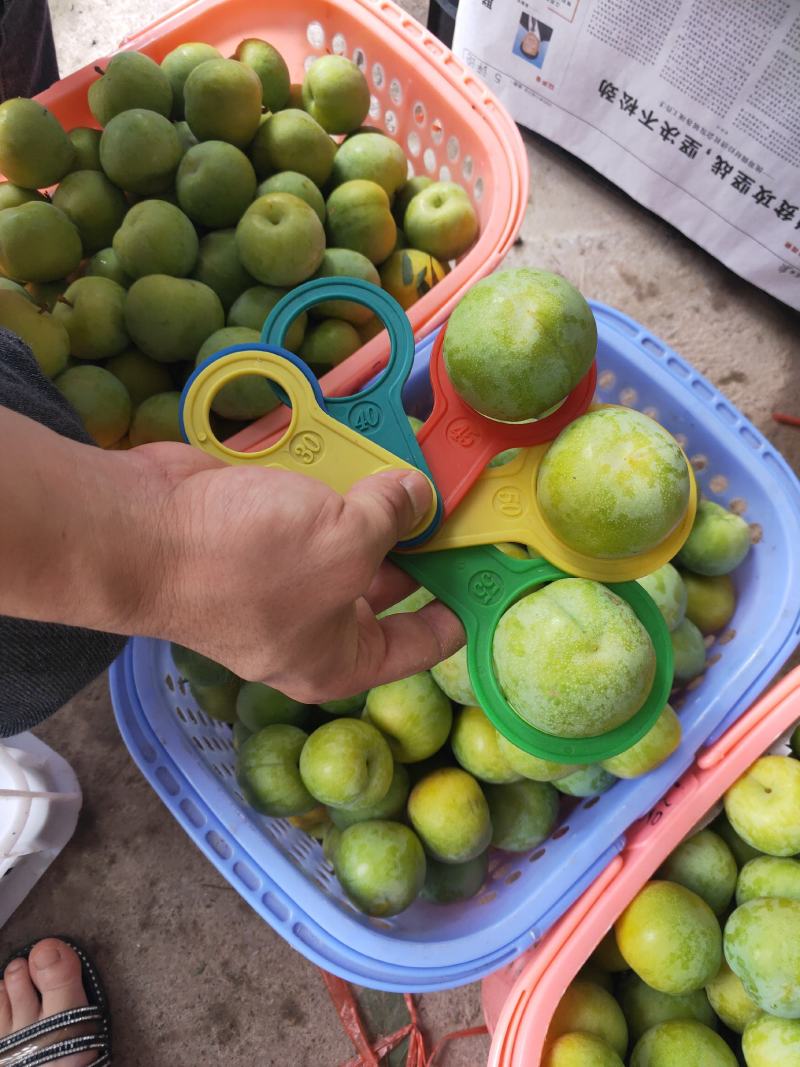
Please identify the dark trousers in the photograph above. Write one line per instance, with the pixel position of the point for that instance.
(28, 62)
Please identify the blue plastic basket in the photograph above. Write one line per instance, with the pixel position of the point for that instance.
(280, 871)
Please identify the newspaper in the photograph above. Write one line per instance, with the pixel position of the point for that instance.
(691, 106)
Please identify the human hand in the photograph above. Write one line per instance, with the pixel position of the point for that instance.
(280, 578)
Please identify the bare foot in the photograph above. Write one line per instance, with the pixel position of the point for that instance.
(55, 971)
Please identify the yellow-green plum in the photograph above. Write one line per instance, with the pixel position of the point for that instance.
(657, 745)
(373, 157)
(345, 705)
(328, 343)
(38, 243)
(416, 425)
(449, 812)
(140, 151)
(704, 864)
(590, 973)
(441, 220)
(710, 601)
(666, 587)
(170, 318)
(94, 205)
(767, 1042)
(688, 651)
(260, 705)
(34, 148)
(218, 266)
(292, 181)
(413, 602)
(742, 851)
(157, 418)
(100, 399)
(580, 1050)
(251, 308)
(130, 80)
(280, 240)
(179, 64)
(518, 342)
(392, 806)
(380, 865)
(222, 102)
(588, 1008)
(572, 658)
(413, 714)
(406, 193)
(613, 484)
(250, 395)
(345, 263)
(105, 264)
(92, 312)
(336, 94)
(156, 238)
(682, 1043)
(268, 773)
(670, 938)
(762, 946)
(358, 217)
(452, 676)
(730, 1000)
(215, 183)
(645, 1007)
(763, 805)
(588, 781)
(86, 143)
(292, 140)
(718, 542)
(607, 955)
(769, 876)
(523, 813)
(475, 745)
(447, 883)
(347, 763)
(270, 66)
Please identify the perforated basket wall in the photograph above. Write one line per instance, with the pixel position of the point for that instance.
(281, 872)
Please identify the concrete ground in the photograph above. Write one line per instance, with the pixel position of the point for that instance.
(194, 976)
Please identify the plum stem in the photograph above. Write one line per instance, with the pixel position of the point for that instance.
(63, 300)
(99, 70)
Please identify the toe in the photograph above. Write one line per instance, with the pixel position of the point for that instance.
(56, 973)
(25, 1005)
(5, 1011)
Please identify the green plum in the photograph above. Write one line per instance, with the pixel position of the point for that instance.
(718, 542)
(682, 1043)
(769, 876)
(217, 701)
(105, 264)
(452, 676)
(373, 157)
(101, 401)
(688, 651)
(47, 338)
(657, 745)
(291, 181)
(94, 205)
(179, 64)
(157, 418)
(523, 813)
(156, 238)
(222, 101)
(35, 151)
(335, 93)
(448, 883)
(86, 143)
(259, 705)
(413, 602)
(345, 263)
(670, 938)
(475, 745)
(346, 705)
(730, 1000)
(92, 310)
(704, 864)
(742, 852)
(328, 343)
(441, 220)
(711, 601)
(406, 193)
(38, 243)
(645, 1007)
(140, 151)
(347, 763)
(381, 866)
(280, 240)
(767, 1042)
(215, 183)
(539, 770)
(580, 1050)
(450, 814)
(131, 80)
(392, 806)
(613, 484)
(169, 318)
(589, 781)
(359, 218)
(589, 1009)
(607, 955)
(248, 396)
(271, 69)
(218, 266)
(268, 773)
(573, 659)
(763, 805)
(762, 946)
(518, 343)
(251, 308)
(13, 195)
(413, 714)
(197, 668)
(293, 140)
(666, 587)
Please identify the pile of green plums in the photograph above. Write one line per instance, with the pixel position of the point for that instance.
(210, 187)
(702, 969)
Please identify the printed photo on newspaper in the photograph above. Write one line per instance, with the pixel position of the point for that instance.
(691, 106)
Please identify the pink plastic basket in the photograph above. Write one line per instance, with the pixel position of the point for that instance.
(448, 123)
(519, 1000)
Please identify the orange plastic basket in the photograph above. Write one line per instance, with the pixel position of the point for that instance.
(519, 1001)
(448, 123)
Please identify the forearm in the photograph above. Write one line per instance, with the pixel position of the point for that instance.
(77, 536)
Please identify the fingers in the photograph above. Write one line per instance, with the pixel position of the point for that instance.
(389, 586)
(406, 644)
(381, 510)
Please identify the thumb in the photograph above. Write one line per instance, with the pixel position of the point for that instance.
(384, 508)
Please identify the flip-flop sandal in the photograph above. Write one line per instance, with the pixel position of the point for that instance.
(67, 1032)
